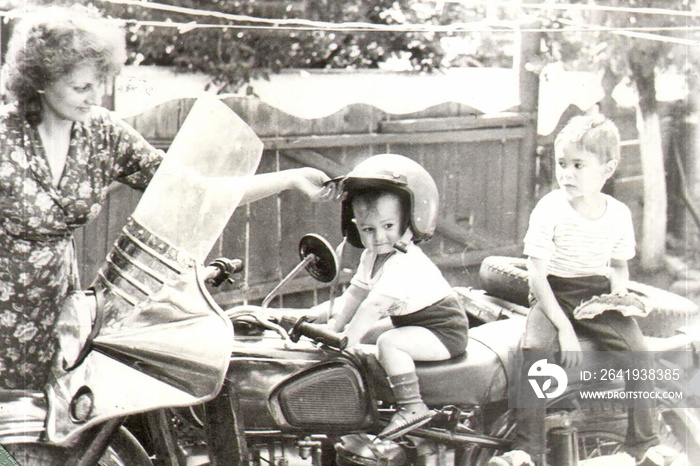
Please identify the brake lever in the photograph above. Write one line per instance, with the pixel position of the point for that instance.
(264, 321)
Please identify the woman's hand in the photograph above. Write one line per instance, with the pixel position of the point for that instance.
(313, 183)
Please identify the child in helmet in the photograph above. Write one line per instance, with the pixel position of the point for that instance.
(390, 204)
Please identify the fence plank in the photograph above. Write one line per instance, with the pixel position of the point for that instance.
(479, 135)
(451, 123)
(510, 178)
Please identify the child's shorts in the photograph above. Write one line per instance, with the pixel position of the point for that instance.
(570, 292)
(446, 319)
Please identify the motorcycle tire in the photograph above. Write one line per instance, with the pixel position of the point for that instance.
(506, 278)
(679, 429)
(124, 450)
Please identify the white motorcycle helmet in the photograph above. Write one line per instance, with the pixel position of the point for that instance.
(398, 174)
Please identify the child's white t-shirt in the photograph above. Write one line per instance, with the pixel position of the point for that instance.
(574, 245)
(411, 278)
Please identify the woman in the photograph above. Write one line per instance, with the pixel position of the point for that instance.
(59, 152)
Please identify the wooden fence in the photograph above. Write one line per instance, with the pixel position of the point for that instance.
(484, 168)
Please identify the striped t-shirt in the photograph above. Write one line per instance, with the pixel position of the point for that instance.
(576, 246)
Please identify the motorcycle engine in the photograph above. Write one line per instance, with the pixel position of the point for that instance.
(365, 450)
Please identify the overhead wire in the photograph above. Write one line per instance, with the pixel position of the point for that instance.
(186, 27)
(640, 34)
(479, 26)
(581, 7)
(294, 24)
(400, 27)
(505, 4)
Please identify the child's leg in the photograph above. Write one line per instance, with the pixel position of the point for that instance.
(397, 349)
(378, 329)
(539, 339)
(621, 333)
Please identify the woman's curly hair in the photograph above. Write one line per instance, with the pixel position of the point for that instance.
(50, 43)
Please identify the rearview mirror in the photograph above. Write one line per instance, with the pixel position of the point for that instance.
(323, 265)
(317, 257)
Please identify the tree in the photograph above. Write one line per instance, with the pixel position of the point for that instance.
(598, 39)
(234, 53)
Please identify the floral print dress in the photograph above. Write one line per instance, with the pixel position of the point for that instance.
(37, 258)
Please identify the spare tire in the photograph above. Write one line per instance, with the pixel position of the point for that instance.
(506, 278)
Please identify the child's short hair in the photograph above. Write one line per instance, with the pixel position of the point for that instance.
(592, 133)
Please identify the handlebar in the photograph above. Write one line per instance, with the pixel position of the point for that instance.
(317, 332)
(222, 270)
(291, 327)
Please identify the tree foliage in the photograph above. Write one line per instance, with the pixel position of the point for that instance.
(232, 56)
(602, 40)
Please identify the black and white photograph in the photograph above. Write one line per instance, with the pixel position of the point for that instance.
(349, 233)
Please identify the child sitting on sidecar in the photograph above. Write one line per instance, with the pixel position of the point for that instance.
(390, 203)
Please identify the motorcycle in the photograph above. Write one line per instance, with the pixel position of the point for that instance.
(293, 386)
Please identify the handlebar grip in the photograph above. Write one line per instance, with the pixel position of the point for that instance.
(318, 333)
(227, 268)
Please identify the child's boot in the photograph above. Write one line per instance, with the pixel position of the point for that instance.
(412, 412)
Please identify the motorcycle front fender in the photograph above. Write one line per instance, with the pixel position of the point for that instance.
(173, 352)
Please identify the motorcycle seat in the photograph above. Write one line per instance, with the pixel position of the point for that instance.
(478, 376)
(482, 374)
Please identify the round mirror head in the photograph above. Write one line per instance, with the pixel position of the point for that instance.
(324, 267)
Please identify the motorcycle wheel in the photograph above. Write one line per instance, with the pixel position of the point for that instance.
(594, 444)
(124, 450)
(604, 436)
(678, 428)
(506, 278)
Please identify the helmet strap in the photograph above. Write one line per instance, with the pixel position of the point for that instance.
(402, 244)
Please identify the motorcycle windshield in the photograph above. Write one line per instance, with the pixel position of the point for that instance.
(201, 181)
(163, 341)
